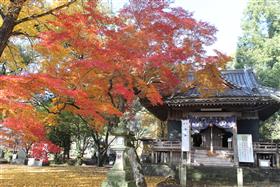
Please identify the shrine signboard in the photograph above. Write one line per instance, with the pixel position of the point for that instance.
(185, 135)
(245, 148)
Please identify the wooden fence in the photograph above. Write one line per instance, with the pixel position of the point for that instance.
(261, 150)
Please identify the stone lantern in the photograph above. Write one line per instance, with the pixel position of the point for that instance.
(121, 175)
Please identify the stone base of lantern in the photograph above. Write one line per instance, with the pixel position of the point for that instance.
(121, 175)
(119, 179)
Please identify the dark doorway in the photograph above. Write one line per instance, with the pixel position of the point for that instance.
(197, 140)
(227, 139)
(219, 138)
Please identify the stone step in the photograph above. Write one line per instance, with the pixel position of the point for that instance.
(199, 161)
(205, 155)
(222, 158)
(214, 164)
(211, 161)
(201, 157)
(218, 163)
(209, 157)
(206, 161)
(206, 151)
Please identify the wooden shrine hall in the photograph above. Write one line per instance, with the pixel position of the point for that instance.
(221, 130)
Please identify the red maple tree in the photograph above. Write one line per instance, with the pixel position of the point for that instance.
(96, 65)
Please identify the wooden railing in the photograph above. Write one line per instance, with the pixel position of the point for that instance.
(266, 147)
(176, 145)
(166, 145)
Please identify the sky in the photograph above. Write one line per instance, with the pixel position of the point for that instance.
(225, 15)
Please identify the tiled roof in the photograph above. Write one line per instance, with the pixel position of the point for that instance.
(244, 87)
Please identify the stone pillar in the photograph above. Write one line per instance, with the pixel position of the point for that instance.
(121, 175)
(183, 174)
(239, 177)
(189, 155)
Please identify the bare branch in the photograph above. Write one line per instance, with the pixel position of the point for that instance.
(35, 16)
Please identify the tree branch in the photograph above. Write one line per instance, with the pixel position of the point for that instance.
(109, 92)
(2, 14)
(17, 33)
(45, 13)
(13, 56)
(39, 103)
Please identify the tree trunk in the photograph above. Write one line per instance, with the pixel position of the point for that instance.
(9, 22)
(136, 167)
(79, 160)
(66, 154)
(101, 158)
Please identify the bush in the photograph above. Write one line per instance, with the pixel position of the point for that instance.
(71, 162)
(58, 159)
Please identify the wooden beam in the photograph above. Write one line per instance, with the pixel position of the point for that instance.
(215, 114)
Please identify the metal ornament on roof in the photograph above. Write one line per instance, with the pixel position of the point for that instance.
(201, 123)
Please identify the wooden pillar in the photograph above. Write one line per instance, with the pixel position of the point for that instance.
(211, 139)
(277, 156)
(153, 157)
(255, 159)
(277, 160)
(234, 145)
(186, 142)
(156, 157)
(171, 157)
(165, 157)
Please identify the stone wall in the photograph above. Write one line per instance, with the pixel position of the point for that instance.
(228, 175)
(219, 176)
(157, 170)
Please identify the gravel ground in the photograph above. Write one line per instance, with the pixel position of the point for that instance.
(60, 176)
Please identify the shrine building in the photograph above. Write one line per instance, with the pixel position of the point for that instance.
(220, 130)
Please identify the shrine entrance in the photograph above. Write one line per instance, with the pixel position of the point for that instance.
(212, 137)
(212, 132)
(212, 140)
